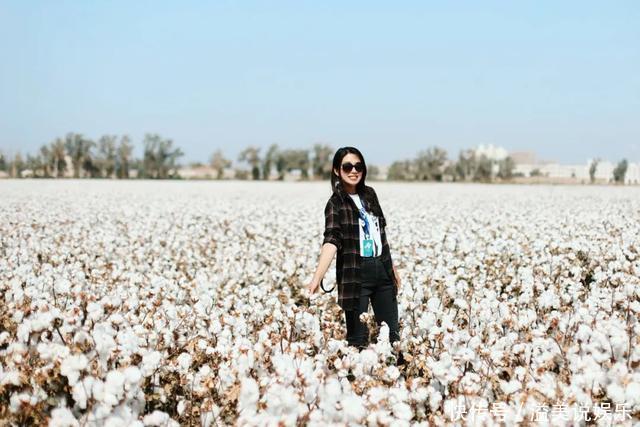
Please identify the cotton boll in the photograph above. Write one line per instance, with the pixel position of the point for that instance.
(353, 408)
(632, 394)
(72, 366)
(184, 362)
(509, 387)
(391, 373)
(156, 418)
(18, 399)
(249, 395)
(62, 417)
(285, 367)
(113, 387)
(132, 375)
(470, 383)
(82, 391)
(402, 411)
(150, 362)
(368, 358)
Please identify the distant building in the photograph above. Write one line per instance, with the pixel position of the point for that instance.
(491, 151)
(523, 157)
(579, 173)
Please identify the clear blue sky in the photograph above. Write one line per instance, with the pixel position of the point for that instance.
(561, 78)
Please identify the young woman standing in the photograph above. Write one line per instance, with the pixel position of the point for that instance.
(355, 230)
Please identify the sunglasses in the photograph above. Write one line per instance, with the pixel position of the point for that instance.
(347, 167)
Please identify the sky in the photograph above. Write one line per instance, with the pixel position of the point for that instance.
(561, 79)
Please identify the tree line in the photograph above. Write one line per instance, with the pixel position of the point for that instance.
(108, 157)
(111, 157)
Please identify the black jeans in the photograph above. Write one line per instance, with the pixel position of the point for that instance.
(379, 287)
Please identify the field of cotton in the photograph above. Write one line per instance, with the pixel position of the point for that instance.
(166, 303)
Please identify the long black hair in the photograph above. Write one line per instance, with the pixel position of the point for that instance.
(361, 188)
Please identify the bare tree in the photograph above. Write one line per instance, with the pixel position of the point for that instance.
(322, 161)
(269, 160)
(79, 148)
(58, 154)
(218, 162)
(159, 157)
(430, 164)
(251, 155)
(106, 158)
(123, 157)
(592, 169)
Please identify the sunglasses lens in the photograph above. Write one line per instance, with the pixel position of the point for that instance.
(347, 167)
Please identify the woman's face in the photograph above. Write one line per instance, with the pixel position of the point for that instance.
(353, 177)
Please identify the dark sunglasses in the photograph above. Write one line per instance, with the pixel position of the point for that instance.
(347, 167)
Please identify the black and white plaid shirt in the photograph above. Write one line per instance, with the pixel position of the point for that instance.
(342, 228)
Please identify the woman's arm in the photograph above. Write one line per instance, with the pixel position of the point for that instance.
(326, 256)
(330, 245)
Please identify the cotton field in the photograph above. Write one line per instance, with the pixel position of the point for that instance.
(171, 303)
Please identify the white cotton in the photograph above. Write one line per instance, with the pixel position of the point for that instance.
(62, 417)
(509, 387)
(392, 373)
(132, 375)
(402, 411)
(353, 408)
(82, 391)
(184, 361)
(616, 393)
(150, 362)
(113, 387)
(72, 366)
(156, 418)
(10, 378)
(17, 399)
(249, 395)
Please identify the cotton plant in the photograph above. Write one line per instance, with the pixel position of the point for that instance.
(149, 305)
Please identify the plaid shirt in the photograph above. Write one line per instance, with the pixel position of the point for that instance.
(343, 230)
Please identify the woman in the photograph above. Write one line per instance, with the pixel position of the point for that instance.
(355, 230)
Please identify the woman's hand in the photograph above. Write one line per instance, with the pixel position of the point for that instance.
(313, 286)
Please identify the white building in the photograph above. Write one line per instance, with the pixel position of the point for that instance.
(580, 173)
(491, 152)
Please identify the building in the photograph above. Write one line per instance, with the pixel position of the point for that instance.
(492, 152)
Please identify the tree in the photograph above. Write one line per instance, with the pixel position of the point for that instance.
(484, 169)
(32, 164)
(401, 170)
(79, 149)
(592, 170)
(58, 155)
(17, 166)
(3, 162)
(269, 160)
(322, 162)
(430, 164)
(373, 172)
(46, 161)
(288, 160)
(466, 165)
(506, 167)
(106, 159)
(620, 171)
(251, 155)
(218, 162)
(159, 157)
(123, 157)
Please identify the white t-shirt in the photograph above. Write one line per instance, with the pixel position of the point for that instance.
(374, 229)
